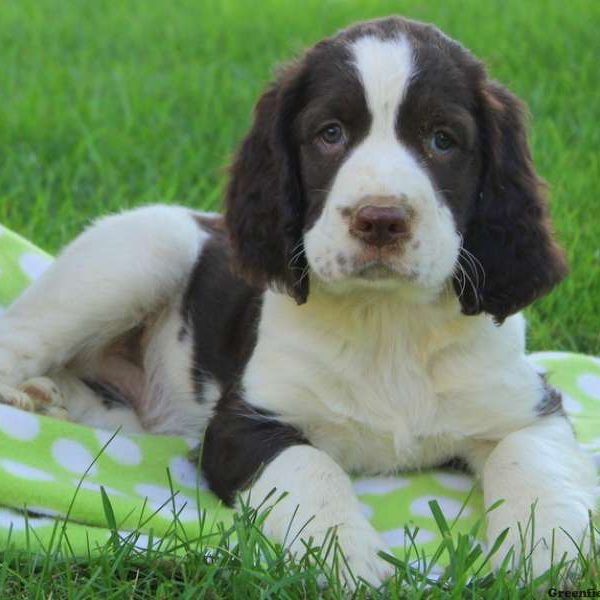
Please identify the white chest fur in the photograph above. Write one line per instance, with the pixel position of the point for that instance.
(381, 384)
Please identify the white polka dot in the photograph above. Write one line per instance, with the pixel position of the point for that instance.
(121, 448)
(185, 513)
(589, 384)
(33, 265)
(16, 520)
(25, 471)
(423, 536)
(185, 473)
(73, 456)
(159, 496)
(366, 510)
(450, 508)
(399, 538)
(95, 487)
(140, 541)
(454, 481)
(157, 493)
(570, 405)
(379, 485)
(433, 571)
(18, 424)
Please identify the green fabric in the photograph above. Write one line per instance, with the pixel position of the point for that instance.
(43, 461)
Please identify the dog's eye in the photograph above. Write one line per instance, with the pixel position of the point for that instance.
(332, 134)
(442, 142)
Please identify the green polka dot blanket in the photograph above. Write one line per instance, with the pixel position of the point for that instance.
(50, 468)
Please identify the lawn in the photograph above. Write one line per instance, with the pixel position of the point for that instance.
(110, 104)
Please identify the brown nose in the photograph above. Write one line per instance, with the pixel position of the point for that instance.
(380, 225)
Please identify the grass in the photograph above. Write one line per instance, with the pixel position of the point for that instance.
(111, 104)
(240, 562)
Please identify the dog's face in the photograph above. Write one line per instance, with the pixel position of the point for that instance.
(386, 158)
(389, 162)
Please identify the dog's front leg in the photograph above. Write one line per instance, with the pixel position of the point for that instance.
(252, 457)
(547, 485)
(319, 502)
(105, 282)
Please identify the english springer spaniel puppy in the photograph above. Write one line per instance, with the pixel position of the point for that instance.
(356, 310)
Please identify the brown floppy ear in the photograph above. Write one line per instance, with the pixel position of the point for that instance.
(264, 199)
(510, 232)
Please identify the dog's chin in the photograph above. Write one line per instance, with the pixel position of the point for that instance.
(380, 276)
(380, 271)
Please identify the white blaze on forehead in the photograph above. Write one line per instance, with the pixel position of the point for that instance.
(385, 68)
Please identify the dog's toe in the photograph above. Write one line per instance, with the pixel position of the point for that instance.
(43, 392)
(45, 396)
(354, 555)
(362, 560)
(16, 398)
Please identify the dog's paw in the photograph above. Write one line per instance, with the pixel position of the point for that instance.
(362, 561)
(539, 544)
(40, 395)
(353, 553)
(46, 397)
(15, 398)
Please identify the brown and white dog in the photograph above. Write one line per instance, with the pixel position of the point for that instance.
(355, 311)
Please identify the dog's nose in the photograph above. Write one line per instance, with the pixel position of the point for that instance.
(380, 225)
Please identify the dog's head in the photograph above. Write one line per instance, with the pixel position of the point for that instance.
(384, 158)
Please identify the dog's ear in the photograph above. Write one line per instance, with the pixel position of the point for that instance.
(264, 199)
(509, 233)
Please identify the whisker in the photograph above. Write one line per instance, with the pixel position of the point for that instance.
(297, 246)
(472, 284)
(464, 281)
(303, 275)
(471, 264)
(476, 261)
(474, 265)
(461, 279)
(441, 191)
(296, 253)
(295, 257)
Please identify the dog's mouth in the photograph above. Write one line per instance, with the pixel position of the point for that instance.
(374, 270)
(380, 269)
(370, 266)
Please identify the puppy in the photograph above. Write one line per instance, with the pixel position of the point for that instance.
(356, 309)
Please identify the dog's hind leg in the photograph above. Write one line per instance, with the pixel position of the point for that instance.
(107, 281)
(66, 397)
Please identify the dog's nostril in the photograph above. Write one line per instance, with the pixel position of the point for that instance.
(381, 225)
(364, 226)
